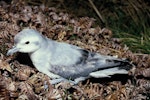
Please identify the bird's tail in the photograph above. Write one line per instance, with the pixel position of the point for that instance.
(115, 66)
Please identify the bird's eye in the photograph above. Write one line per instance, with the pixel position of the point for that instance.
(27, 42)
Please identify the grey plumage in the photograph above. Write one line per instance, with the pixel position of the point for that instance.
(62, 61)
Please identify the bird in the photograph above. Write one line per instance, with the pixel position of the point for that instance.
(66, 62)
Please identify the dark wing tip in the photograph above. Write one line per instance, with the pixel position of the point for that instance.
(124, 64)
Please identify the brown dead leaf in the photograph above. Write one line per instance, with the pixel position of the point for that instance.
(5, 66)
(24, 72)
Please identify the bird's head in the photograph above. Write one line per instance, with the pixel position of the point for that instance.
(26, 41)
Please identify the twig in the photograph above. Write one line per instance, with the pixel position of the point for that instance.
(140, 54)
(96, 10)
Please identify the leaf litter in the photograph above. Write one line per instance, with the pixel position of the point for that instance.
(20, 81)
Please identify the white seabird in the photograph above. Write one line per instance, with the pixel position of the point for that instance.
(62, 61)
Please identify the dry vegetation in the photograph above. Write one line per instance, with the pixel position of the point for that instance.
(20, 81)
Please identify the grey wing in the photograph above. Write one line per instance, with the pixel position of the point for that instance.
(96, 65)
